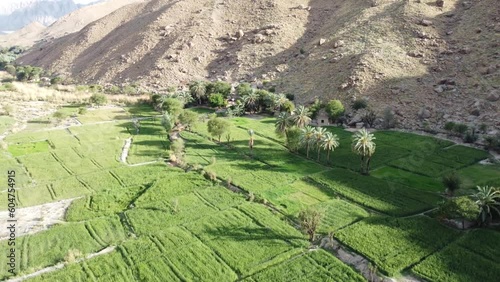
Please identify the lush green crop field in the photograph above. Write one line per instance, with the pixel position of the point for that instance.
(43, 166)
(109, 267)
(395, 244)
(387, 197)
(409, 179)
(169, 225)
(103, 114)
(480, 175)
(247, 246)
(474, 257)
(313, 266)
(150, 144)
(104, 203)
(8, 163)
(50, 247)
(28, 148)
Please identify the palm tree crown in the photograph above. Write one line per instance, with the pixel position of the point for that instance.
(319, 134)
(282, 123)
(307, 137)
(300, 117)
(487, 199)
(363, 143)
(329, 143)
(251, 100)
(198, 89)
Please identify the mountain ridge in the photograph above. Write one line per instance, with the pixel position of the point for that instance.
(425, 62)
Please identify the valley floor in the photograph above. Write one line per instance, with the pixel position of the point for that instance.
(157, 222)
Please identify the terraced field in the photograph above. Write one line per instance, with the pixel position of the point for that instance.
(156, 222)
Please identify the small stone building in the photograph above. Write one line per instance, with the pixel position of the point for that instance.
(321, 119)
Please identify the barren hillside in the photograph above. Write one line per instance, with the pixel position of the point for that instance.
(431, 64)
(69, 23)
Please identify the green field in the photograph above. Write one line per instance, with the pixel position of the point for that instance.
(162, 223)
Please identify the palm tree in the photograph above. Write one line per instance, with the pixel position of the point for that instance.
(250, 142)
(300, 117)
(487, 198)
(278, 101)
(363, 145)
(329, 143)
(319, 134)
(251, 100)
(307, 138)
(282, 124)
(198, 89)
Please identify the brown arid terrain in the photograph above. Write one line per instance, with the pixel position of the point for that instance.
(70, 23)
(431, 64)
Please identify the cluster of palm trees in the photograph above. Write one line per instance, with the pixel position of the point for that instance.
(318, 138)
(289, 124)
(286, 121)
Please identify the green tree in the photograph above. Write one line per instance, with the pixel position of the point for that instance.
(244, 89)
(282, 124)
(315, 108)
(307, 138)
(329, 143)
(56, 80)
(59, 116)
(334, 109)
(265, 97)
(217, 100)
(293, 138)
(319, 134)
(487, 199)
(300, 117)
(463, 208)
(217, 127)
(278, 101)
(98, 99)
(221, 87)
(451, 182)
(173, 106)
(167, 122)
(287, 107)
(198, 90)
(188, 118)
(10, 69)
(364, 146)
(177, 148)
(251, 101)
(309, 221)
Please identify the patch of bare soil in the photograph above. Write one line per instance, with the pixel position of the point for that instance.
(36, 218)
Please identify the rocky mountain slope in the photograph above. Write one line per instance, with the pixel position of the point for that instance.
(21, 13)
(431, 64)
(67, 24)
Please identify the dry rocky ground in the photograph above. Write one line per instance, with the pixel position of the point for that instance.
(431, 64)
(72, 22)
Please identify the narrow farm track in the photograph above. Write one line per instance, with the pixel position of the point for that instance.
(61, 265)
